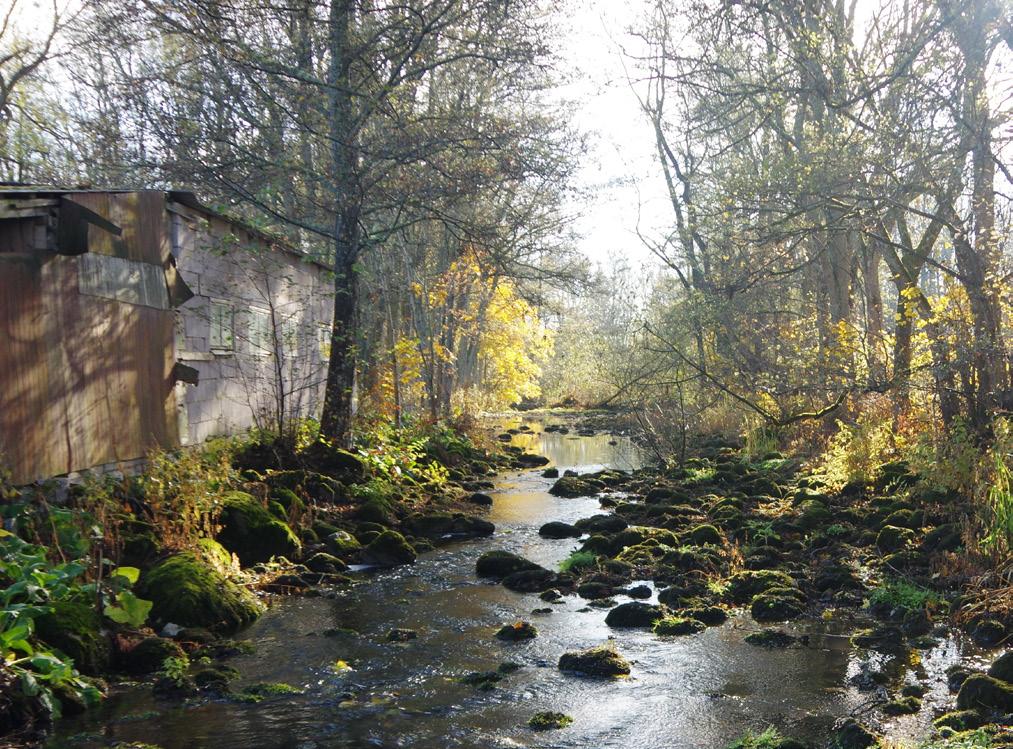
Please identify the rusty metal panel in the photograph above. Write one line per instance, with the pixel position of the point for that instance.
(84, 380)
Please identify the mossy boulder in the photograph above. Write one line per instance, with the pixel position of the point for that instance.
(499, 564)
(571, 486)
(712, 616)
(903, 706)
(706, 534)
(946, 537)
(517, 632)
(557, 530)
(744, 586)
(324, 563)
(770, 638)
(187, 592)
(983, 692)
(677, 626)
(594, 590)
(600, 662)
(601, 524)
(75, 629)
(147, 656)
(389, 549)
(1002, 668)
(439, 525)
(891, 538)
(342, 544)
(813, 514)
(531, 581)
(960, 720)
(850, 734)
(328, 459)
(634, 614)
(252, 532)
(289, 500)
(549, 721)
(777, 605)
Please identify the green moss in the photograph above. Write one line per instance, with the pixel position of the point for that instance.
(891, 538)
(252, 532)
(263, 689)
(770, 638)
(601, 662)
(769, 739)
(149, 655)
(706, 534)
(288, 499)
(547, 721)
(516, 632)
(187, 592)
(678, 626)
(389, 549)
(981, 692)
(578, 561)
(743, 586)
(215, 554)
(777, 605)
(75, 629)
(903, 706)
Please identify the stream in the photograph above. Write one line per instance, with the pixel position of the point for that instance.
(698, 691)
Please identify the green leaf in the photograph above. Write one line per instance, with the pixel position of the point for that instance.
(129, 609)
(130, 573)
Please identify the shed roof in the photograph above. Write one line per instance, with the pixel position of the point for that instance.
(185, 198)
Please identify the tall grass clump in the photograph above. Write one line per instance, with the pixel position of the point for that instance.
(578, 561)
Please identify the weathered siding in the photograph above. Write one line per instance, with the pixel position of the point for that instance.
(243, 388)
(85, 379)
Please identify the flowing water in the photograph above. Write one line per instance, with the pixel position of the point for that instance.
(698, 691)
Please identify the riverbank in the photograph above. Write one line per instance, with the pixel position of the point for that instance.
(742, 594)
(411, 653)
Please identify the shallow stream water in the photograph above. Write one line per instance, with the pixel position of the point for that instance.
(699, 691)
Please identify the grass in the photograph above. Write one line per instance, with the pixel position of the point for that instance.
(903, 594)
(578, 561)
(979, 739)
(769, 739)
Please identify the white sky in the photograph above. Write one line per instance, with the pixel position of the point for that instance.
(620, 170)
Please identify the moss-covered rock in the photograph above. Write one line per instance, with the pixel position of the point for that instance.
(705, 534)
(252, 532)
(76, 630)
(601, 524)
(770, 638)
(677, 626)
(712, 616)
(634, 614)
(983, 692)
(960, 720)
(743, 586)
(147, 656)
(324, 564)
(813, 514)
(946, 537)
(557, 529)
(777, 605)
(594, 590)
(516, 632)
(903, 706)
(850, 734)
(187, 592)
(342, 544)
(531, 581)
(885, 638)
(571, 486)
(328, 459)
(389, 549)
(1002, 668)
(891, 538)
(548, 721)
(440, 525)
(498, 564)
(601, 662)
(988, 632)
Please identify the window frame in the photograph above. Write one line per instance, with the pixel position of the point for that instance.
(221, 348)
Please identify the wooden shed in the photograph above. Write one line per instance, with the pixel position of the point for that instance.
(99, 291)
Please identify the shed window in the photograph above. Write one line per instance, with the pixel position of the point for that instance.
(124, 280)
(324, 341)
(222, 319)
(261, 340)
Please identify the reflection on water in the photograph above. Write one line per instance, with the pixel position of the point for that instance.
(700, 691)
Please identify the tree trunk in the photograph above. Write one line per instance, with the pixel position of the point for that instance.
(336, 419)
